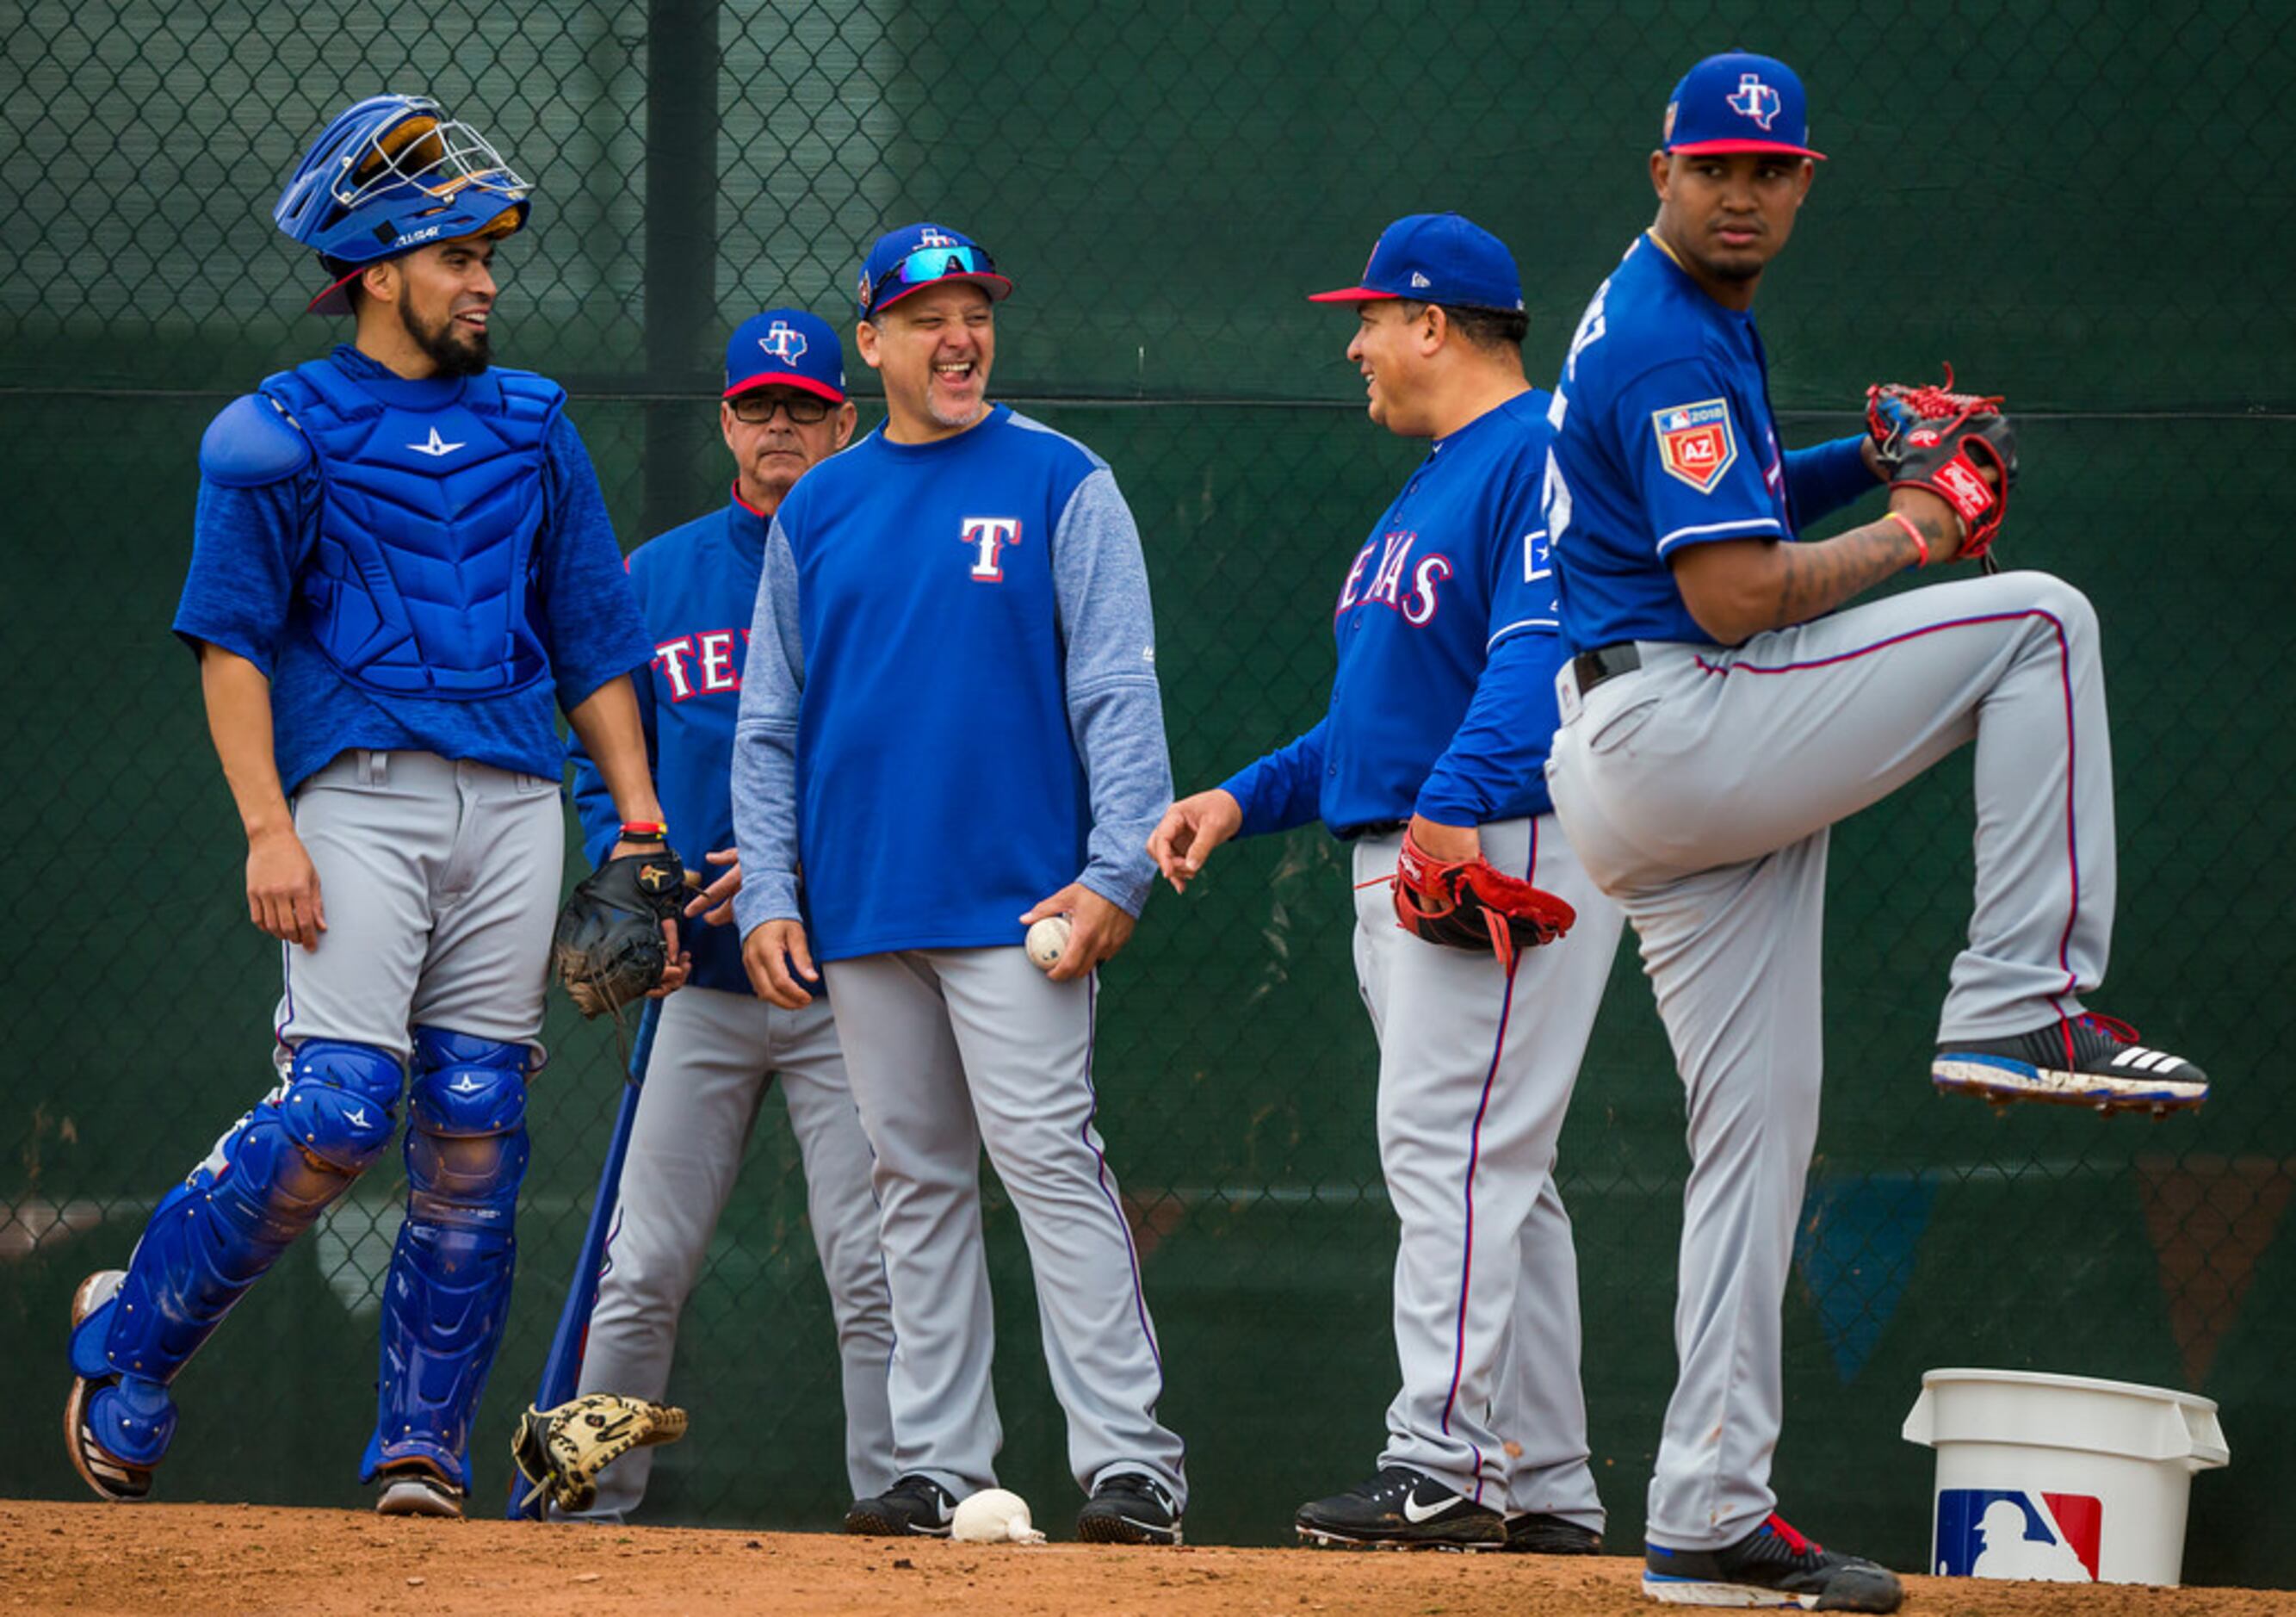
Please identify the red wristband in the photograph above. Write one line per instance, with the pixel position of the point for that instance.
(644, 831)
(1913, 533)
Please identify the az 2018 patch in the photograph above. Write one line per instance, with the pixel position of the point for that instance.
(1695, 442)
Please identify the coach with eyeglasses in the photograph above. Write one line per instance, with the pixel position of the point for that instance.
(714, 1045)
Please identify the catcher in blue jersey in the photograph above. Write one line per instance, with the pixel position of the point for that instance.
(1428, 762)
(1725, 704)
(401, 570)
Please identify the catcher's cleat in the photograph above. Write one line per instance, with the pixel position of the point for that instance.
(914, 1507)
(415, 1488)
(1129, 1508)
(1772, 1566)
(1401, 1508)
(122, 1482)
(2090, 1060)
(1534, 1532)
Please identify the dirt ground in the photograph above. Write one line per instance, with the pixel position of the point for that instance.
(176, 1559)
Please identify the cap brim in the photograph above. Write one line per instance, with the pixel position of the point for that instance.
(1723, 148)
(335, 298)
(1352, 294)
(997, 286)
(786, 379)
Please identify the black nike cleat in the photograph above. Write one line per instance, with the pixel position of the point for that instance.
(1534, 1532)
(1401, 1508)
(2087, 1061)
(914, 1507)
(1130, 1507)
(1772, 1566)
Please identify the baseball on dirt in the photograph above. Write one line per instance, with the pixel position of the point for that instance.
(994, 1515)
(1047, 938)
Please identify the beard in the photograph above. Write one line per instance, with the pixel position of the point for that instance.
(455, 351)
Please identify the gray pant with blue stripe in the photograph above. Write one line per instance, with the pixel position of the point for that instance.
(949, 1052)
(1475, 1073)
(1699, 789)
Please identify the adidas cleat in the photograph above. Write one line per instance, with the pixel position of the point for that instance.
(1774, 1566)
(2089, 1061)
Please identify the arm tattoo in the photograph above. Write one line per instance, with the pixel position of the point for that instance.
(1813, 579)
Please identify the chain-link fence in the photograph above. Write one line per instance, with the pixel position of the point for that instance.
(2060, 195)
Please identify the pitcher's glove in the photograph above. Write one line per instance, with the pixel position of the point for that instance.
(608, 947)
(560, 1451)
(1474, 903)
(1932, 437)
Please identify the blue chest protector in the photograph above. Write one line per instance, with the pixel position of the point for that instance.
(421, 581)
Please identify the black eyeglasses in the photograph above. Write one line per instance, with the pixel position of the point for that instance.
(756, 409)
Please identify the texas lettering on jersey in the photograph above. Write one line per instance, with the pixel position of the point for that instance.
(702, 664)
(1418, 602)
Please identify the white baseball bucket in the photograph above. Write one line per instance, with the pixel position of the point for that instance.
(2060, 1477)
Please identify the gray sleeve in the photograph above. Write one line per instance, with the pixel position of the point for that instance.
(765, 747)
(1115, 713)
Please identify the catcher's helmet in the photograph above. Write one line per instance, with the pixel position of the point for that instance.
(392, 173)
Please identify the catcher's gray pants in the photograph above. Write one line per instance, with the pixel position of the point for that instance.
(1475, 1073)
(440, 881)
(712, 1057)
(949, 1051)
(1698, 790)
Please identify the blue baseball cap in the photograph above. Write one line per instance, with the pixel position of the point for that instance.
(786, 348)
(1738, 101)
(917, 256)
(1437, 257)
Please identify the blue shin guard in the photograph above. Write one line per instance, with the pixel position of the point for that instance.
(216, 1234)
(448, 1294)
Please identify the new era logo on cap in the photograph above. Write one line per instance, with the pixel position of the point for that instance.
(1738, 101)
(1437, 257)
(785, 348)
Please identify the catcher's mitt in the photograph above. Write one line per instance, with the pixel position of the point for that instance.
(562, 1450)
(608, 949)
(1932, 437)
(1474, 903)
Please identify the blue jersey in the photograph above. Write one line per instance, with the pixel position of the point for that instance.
(1443, 704)
(696, 586)
(1664, 437)
(251, 544)
(950, 708)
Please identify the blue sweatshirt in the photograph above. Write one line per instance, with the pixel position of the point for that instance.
(1443, 700)
(696, 586)
(950, 708)
(248, 546)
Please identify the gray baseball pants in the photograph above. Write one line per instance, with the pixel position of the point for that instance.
(1698, 790)
(713, 1054)
(1475, 1073)
(440, 881)
(951, 1051)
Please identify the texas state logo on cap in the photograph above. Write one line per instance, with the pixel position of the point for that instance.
(1437, 257)
(1738, 101)
(786, 348)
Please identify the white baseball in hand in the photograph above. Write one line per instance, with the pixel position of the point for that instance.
(1048, 940)
(994, 1515)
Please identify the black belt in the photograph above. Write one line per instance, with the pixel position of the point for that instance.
(1604, 662)
(1372, 828)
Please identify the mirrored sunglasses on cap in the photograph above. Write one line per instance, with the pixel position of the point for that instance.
(928, 264)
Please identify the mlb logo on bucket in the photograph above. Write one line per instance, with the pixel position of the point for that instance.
(1983, 1532)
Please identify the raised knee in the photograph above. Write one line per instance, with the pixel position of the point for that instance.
(2066, 605)
(341, 1102)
